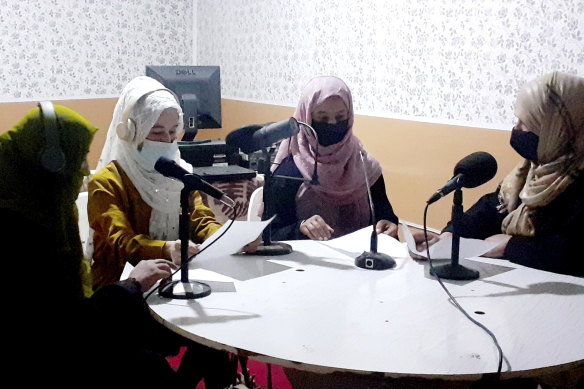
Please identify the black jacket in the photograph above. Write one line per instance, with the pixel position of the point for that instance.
(559, 228)
(286, 225)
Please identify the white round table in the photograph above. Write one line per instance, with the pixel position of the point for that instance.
(314, 311)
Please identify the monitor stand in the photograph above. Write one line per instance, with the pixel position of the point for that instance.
(197, 142)
(190, 134)
(189, 137)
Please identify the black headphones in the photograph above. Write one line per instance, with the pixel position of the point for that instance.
(52, 157)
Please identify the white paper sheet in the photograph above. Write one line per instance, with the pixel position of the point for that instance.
(236, 237)
(443, 248)
(360, 240)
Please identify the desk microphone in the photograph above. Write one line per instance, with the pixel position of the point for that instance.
(169, 168)
(473, 170)
(372, 259)
(258, 137)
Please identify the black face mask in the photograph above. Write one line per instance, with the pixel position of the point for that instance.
(329, 134)
(525, 143)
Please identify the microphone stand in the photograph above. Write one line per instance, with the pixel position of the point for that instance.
(268, 247)
(372, 259)
(453, 270)
(185, 289)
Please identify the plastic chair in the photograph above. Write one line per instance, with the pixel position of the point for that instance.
(255, 202)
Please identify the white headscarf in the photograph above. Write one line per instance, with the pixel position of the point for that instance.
(136, 112)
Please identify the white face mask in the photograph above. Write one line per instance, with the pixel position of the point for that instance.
(152, 150)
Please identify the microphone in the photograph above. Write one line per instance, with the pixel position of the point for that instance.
(473, 170)
(372, 259)
(256, 137)
(169, 168)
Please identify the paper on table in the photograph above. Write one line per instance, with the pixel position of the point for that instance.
(238, 235)
(358, 241)
(443, 248)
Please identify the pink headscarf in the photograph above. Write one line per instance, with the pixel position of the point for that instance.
(341, 198)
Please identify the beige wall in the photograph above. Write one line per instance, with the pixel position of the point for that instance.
(417, 158)
(97, 111)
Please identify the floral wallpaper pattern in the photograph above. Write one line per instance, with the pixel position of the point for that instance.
(454, 61)
(88, 48)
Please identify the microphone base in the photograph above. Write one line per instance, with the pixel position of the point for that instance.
(374, 261)
(185, 290)
(274, 248)
(454, 272)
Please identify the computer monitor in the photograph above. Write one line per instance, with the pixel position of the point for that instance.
(198, 89)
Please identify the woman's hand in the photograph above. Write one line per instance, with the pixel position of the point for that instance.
(499, 250)
(386, 227)
(420, 240)
(315, 228)
(148, 271)
(172, 249)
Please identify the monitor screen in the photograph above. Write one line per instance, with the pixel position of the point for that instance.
(198, 89)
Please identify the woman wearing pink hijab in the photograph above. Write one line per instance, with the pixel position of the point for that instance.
(339, 203)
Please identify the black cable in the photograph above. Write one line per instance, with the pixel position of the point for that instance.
(489, 332)
(160, 284)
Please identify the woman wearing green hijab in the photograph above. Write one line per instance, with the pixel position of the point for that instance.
(57, 333)
(33, 199)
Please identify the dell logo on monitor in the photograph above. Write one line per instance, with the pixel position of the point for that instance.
(185, 72)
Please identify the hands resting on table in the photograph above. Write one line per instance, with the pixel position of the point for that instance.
(496, 252)
(316, 228)
(171, 249)
(147, 272)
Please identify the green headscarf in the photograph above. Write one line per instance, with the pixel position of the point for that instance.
(48, 199)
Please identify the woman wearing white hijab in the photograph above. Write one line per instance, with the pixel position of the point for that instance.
(537, 214)
(133, 210)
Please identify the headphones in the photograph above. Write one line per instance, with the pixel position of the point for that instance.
(52, 157)
(126, 128)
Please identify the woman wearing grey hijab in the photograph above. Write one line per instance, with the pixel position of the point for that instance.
(537, 213)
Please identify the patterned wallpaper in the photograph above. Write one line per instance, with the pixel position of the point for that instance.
(456, 61)
(87, 48)
(453, 61)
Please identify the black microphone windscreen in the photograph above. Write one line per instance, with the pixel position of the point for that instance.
(256, 137)
(169, 168)
(275, 132)
(476, 168)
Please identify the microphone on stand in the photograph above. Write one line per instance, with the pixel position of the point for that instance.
(169, 168)
(372, 259)
(260, 137)
(471, 171)
(185, 288)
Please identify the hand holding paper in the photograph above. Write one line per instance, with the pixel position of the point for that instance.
(442, 249)
(240, 234)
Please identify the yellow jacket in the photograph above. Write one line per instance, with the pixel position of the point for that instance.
(120, 220)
